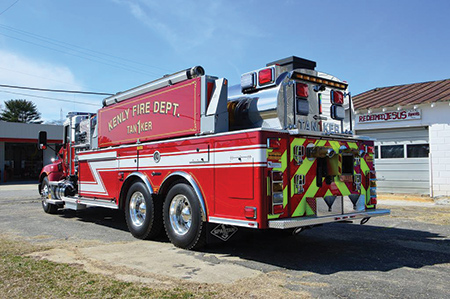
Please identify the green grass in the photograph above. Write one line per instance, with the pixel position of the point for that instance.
(26, 277)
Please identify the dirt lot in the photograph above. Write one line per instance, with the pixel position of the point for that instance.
(403, 255)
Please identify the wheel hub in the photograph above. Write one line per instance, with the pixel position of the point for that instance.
(138, 208)
(180, 215)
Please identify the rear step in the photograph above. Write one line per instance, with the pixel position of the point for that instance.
(308, 221)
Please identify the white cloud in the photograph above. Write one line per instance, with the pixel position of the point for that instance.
(23, 71)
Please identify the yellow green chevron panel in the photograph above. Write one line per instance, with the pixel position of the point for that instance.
(309, 211)
(352, 145)
(342, 187)
(311, 192)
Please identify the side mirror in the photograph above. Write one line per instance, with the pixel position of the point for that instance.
(42, 142)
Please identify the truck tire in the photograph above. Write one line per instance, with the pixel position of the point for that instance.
(142, 212)
(183, 218)
(46, 195)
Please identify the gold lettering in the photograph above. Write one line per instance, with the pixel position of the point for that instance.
(175, 106)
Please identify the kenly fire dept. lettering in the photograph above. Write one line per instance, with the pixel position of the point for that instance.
(159, 107)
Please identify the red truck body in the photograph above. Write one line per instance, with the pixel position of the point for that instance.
(179, 153)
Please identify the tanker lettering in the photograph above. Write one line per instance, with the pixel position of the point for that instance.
(329, 128)
(139, 127)
(308, 125)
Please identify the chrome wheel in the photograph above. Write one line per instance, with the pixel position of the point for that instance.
(180, 215)
(138, 209)
(45, 194)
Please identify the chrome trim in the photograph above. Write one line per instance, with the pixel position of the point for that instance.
(308, 221)
(235, 222)
(144, 179)
(194, 185)
(103, 203)
(97, 156)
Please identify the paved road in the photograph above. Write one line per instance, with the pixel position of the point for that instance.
(403, 255)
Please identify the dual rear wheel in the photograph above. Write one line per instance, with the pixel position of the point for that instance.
(180, 214)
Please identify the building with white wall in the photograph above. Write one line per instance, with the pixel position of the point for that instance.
(20, 158)
(411, 125)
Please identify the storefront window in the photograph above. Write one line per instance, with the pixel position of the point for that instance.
(417, 150)
(376, 152)
(392, 151)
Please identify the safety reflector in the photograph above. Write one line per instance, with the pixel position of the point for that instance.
(265, 76)
(337, 97)
(301, 90)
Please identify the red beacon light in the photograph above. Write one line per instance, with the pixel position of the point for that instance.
(337, 97)
(265, 76)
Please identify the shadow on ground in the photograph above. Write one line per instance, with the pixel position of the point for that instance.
(326, 249)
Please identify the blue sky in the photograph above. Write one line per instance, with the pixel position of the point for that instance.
(114, 45)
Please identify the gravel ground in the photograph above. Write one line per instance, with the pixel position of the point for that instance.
(403, 255)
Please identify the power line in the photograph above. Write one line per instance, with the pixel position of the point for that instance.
(116, 65)
(8, 8)
(99, 56)
(58, 43)
(49, 98)
(45, 78)
(57, 90)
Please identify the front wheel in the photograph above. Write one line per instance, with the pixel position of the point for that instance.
(183, 218)
(46, 195)
(142, 212)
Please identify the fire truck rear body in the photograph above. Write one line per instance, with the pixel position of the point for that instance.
(273, 152)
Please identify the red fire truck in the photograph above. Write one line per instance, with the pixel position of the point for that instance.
(274, 152)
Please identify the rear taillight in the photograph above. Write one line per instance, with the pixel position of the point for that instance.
(373, 187)
(337, 97)
(273, 143)
(337, 111)
(250, 212)
(301, 90)
(276, 182)
(265, 76)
